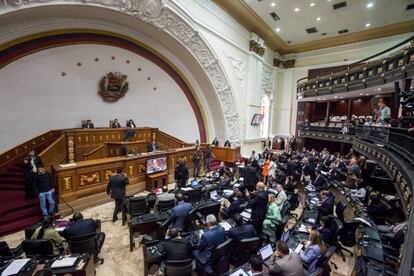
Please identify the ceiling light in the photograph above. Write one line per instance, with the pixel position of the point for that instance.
(277, 30)
(336, 97)
(273, 4)
(367, 25)
(370, 5)
(379, 88)
(366, 94)
(342, 97)
(324, 99)
(296, 9)
(312, 4)
(318, 19)
(319, 99)
(361, 94)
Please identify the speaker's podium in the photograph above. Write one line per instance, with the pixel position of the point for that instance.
(156, 180)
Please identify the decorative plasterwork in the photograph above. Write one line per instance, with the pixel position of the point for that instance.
(267, 80)
(158, 14)
(239, 67)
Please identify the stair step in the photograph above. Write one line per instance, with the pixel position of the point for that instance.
(11, 180)
(7, 187)
(12, 174)
(20, 214)
(19, 225)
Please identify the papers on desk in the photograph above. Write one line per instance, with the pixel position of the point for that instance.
(364, 221)
(298, 248)
(185, 189)
(225, 225)
(239, 272)
(246, 215)
(15, 267)
(241, 179)
(64, 262)
(67, 165)
(303, 229)
(236, 185)
(60, 229)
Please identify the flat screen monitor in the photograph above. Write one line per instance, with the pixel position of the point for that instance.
(156, 165)
(266, 251)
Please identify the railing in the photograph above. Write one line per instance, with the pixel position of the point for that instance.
(16, 154)
(169, 141)
(100, 152)
(55, 153)
(363, 73)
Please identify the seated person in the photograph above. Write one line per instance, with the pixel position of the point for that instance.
(314, 248)
(227, 144)
(129, 133)
(351, 181)
(320, 182)
(390, 230)
(286, 263)
(359, 191)
(273, 217)
(281, 196)
(325, 229)
(214, 236)
(152, 147)
(326, 204)
(179, 213)
(115, 124)
(376, 208)
(256, 266)
(230, 209)
(131, 123)
(241, 231)
(215, 142)
(48, 232)
(88, 124)
(81, 227)
(176, 247)
(164, 196)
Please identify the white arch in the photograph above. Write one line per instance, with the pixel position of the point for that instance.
(158, 14)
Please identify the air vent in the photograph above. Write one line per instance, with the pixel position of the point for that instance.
(410, 7)
(323, 33)
(339, 5)
(274, 16)
(311, 30)
(343, 31)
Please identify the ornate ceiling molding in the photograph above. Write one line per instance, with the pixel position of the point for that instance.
(247, 17)
(158, 14)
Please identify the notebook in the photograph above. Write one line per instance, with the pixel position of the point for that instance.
(64, 262)
(15, 267)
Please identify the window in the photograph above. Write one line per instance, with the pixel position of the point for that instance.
(265, 111)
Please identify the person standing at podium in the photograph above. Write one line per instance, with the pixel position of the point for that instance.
(117, 189)
(196, 161)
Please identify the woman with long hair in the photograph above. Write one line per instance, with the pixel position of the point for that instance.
(314, 249)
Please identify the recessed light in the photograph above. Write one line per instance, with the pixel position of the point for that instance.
(367, 25)
(370, 5)
(273, 4)
(342, 97)
(361, 94)
(277, 30)
(296, 9)
(312, 4)
(336, 97)
(366, 94)
(318, 19)
(324, 99)
(379, 88)
(319, 99)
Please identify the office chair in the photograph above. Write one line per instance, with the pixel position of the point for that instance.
(347, 235)
(189, 220)
(339, 210)
(280, 228)
(178, 268)
(294, 201)
(158, 235)
(285, 209)
(165, 205)
(192, 196)
(37, 248)
(85, 244)
(322, 266)
(337, 227)
(240, 252)
(6, 251)
(137, 206)
(392, 246)
(219, 262)
(209, 209)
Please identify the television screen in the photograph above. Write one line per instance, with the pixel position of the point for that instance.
(257, 119)
(156, 165)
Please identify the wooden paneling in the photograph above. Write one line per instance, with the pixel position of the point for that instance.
(115, 148)
(226, 154)
(55, 153)
(339, 108)
(169, 141)
(16, 155)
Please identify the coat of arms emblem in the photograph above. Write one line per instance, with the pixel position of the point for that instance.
(113, 86)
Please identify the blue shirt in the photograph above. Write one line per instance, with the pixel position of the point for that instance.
(179, 214)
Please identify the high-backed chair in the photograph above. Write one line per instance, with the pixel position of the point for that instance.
(213, 209)
(240, 252)
(294, 200)
(347, 234)
(166, 205)
(157, 235)
(337, 227)
(339, 210)
(37, 248)
(6, 251)
(189, 220)
(85, 244)
(193, 196)
(285, 209)
(178, 268)
(137, 206)
(281, 227)
(219, 261)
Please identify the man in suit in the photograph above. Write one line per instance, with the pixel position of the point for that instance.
(250, 176)
(115, 124)
(82, 227)
(286, 263)
(320, 182)
(215, 142)
(241, 231)
(30, 164)
(88, 124)
(259, 207)
(281, 196)
(180, 212)
(181, 174)
(326, 205)
(116, 187)
(129, 133)
(176, 247)
(152, 147)
(214, 236)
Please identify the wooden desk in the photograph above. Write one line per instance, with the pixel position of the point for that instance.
(226, 154)
(156, 180)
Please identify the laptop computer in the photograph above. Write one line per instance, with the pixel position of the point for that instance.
(266, 252)
(215, 196)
